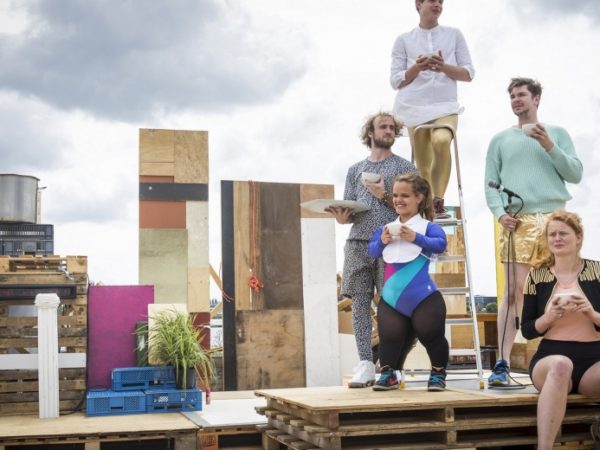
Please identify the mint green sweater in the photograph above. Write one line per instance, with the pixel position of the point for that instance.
(521, 164)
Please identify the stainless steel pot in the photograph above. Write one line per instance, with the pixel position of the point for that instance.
(18, 198)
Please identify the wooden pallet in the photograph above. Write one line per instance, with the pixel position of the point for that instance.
(338, 417)
(18, 334)
(92, 432)
(19, 391)
(36, 264)
(229, 437)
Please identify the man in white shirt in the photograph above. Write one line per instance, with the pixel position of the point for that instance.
(426, 64)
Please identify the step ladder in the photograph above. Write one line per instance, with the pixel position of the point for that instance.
(466, 290)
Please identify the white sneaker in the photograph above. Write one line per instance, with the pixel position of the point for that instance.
(364, 375)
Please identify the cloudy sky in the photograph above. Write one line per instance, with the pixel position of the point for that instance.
(282, 87)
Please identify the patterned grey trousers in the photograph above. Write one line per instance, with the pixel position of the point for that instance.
(362, 275)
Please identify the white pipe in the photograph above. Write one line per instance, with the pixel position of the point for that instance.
(47, 305)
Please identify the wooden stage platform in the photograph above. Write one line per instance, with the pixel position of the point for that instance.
(318, 418)
(228, 423)
(460, 417)
(90, 433)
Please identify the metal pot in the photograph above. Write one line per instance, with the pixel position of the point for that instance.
(18, 198)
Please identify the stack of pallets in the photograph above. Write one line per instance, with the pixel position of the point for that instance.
(342, 418)
(21, 278)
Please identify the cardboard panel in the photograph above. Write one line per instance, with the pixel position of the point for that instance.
(158, 214)
(198, 290)
(270, 349)
(312, 192)
(281, 252)
(191, 156)
(197, 226)
(163, 263)
(157, 146)
(113, 313)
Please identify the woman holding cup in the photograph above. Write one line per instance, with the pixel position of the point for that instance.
(562, 304)
(411, 304)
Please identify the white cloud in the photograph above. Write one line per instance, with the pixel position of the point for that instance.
(130, 60)
(282, 88)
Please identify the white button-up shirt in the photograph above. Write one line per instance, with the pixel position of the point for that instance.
(430, 95)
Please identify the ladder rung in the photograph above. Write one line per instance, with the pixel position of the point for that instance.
(451, 258)
(462, 352)
(452, 222)
(465, 321)
(454, 290)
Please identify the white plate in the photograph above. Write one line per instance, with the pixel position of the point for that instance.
(321, 204)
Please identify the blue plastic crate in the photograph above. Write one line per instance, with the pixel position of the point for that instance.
(142, 378)
(111, 403)
(172, 400)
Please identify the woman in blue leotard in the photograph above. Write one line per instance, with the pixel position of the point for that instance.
(412, 305)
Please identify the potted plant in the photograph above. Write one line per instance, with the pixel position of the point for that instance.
(175, 341)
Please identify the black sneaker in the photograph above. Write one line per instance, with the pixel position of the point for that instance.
(437, 380)
(387, 380)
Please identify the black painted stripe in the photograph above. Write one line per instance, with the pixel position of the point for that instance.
(228, 257)
(174, 191)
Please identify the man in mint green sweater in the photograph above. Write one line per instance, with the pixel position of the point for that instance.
(533, 160)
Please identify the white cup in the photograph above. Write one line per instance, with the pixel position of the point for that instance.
(371, 177)
(528, 128)
(394, 228)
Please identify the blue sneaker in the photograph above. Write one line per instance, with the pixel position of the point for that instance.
(500, 375)
(387, 380)
(437, 381)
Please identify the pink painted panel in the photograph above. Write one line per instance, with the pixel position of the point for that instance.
(112, 314)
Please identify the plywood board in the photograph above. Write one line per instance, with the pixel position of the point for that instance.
(320, 305)
(160, 214)
(191, 156)
(242, 243)
(270, 349)
(280, 246)
(157, 146)
(312, 192)
(163, 263)
(197, 226)
(156, 179)
(79, 424)
(157, 169)
(198, 289)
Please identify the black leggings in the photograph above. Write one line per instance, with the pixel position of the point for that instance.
(398, 333)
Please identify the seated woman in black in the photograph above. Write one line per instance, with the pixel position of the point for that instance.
(562, 304)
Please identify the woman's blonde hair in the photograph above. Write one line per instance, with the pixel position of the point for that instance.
(570, 219)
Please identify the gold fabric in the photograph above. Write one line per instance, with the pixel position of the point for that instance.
(432, 153)
(526, 240)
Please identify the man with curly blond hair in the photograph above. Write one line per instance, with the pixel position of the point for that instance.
(362, 274)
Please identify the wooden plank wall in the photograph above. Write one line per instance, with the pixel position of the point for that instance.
(173, 243)
(18, 331)
(264, 331)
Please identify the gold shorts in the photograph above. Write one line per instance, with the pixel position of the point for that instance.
(526, 240)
